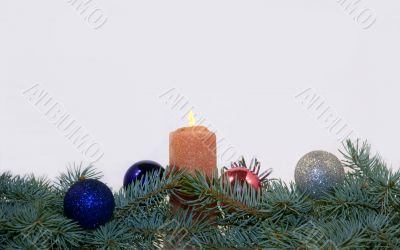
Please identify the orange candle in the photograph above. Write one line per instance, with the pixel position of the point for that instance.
(193, 148)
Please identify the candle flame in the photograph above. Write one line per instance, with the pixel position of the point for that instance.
(192, 120)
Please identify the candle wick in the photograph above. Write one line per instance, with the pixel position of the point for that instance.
(192, 119)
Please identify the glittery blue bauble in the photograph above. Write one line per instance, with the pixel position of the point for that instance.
(139, 170)
(318, 172)
(90, 202)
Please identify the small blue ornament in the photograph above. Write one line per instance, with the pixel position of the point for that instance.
(138, 170)
(90, 202)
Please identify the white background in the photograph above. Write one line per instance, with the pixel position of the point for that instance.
(240, 63)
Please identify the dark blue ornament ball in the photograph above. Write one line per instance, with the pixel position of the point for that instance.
(138, 170)
(89, 202)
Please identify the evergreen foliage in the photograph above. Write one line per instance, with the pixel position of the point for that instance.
(363, 213)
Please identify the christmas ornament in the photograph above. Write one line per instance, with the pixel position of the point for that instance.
(138, 170)
(90, 202)
(240, 172)
(318, 172)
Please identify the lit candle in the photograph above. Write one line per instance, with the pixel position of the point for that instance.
(193, 148)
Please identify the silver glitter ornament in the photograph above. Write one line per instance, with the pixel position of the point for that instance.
(318, 172)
